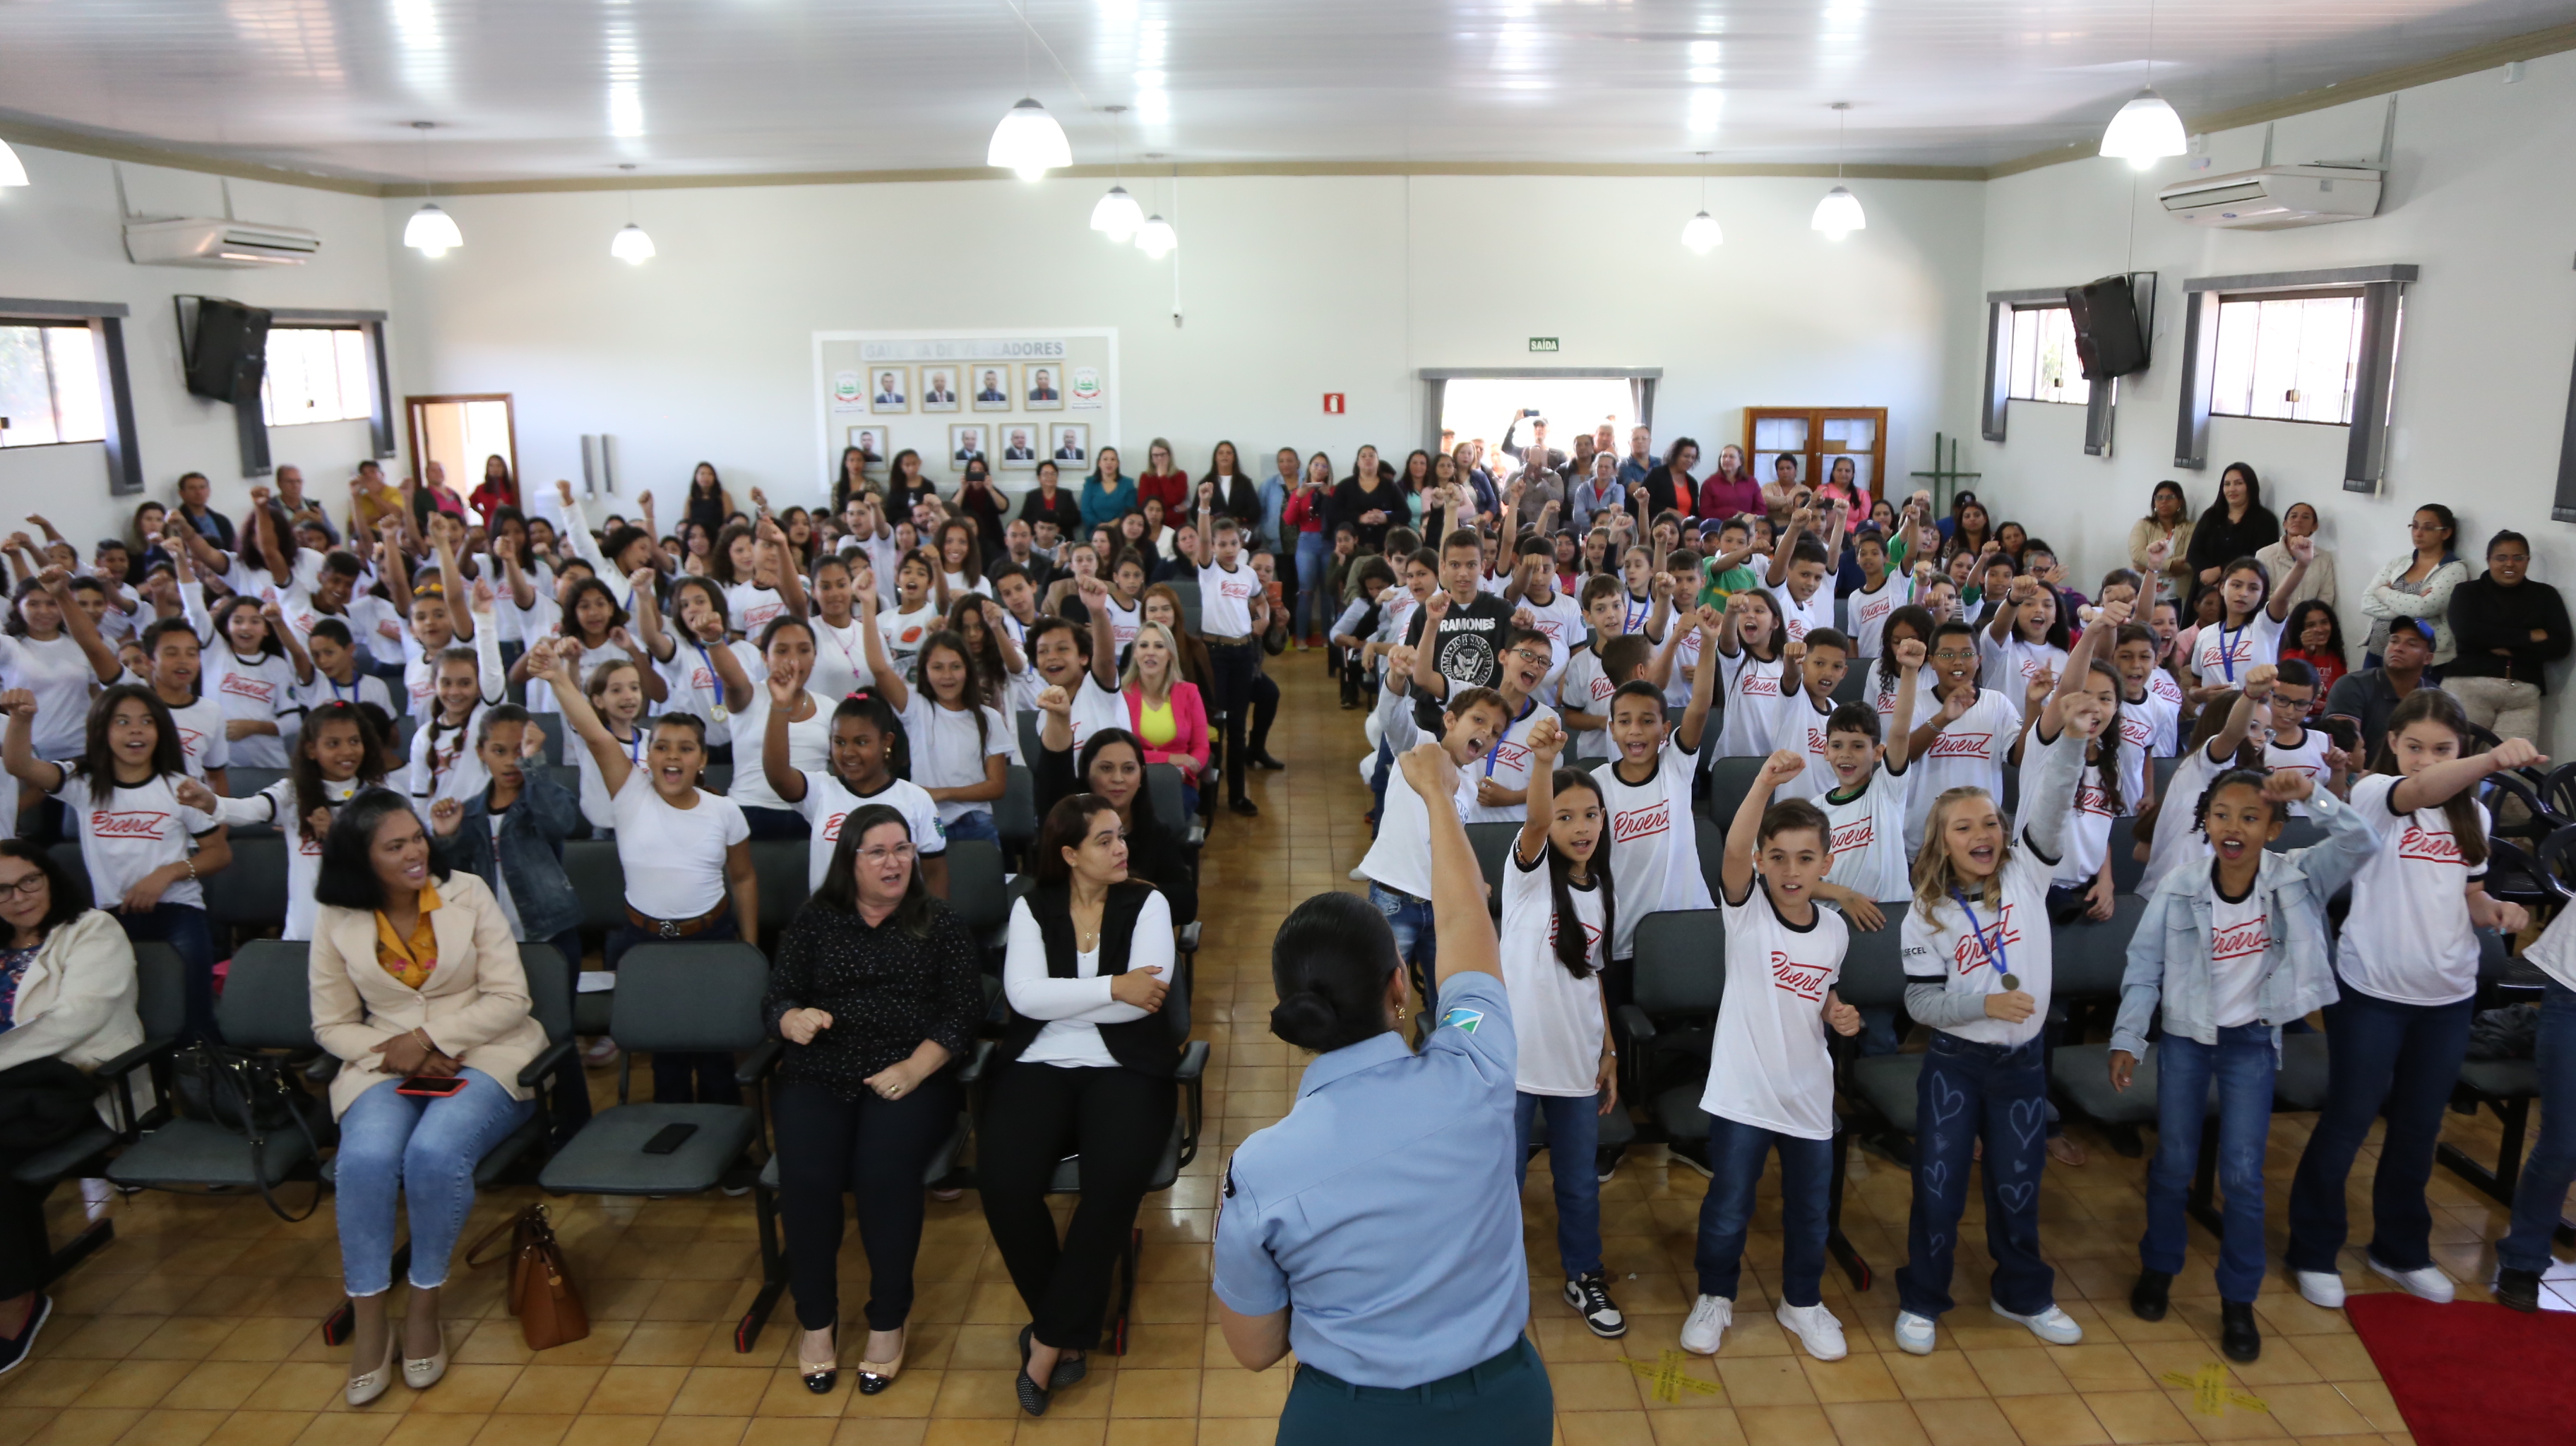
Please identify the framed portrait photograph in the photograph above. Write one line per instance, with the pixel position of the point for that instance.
(1041, 387)
(939, 389)
(889, 390)
(992, 383)
(1020, 443)
(1069, 443)
(965, 444)
(872, 441)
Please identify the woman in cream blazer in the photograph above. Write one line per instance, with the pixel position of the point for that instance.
(416, 979)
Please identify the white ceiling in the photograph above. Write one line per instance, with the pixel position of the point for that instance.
(560, 89)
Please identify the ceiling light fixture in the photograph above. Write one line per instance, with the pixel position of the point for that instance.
(1156, 238)
(13, 172)
(1839, 214)
(1116, 215)
(1700, 233)
(630, 244)
(2148, 128)
(431, 231)
(1028, 142)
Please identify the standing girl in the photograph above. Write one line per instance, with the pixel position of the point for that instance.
(254, 666)
(2409, 966)
(52, 652)
(1558, 912)
(1304, 516)
(961, 748)
(1748, 653)
(338, 753)
(2248, 631)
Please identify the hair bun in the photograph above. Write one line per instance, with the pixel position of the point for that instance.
(1306, 1019)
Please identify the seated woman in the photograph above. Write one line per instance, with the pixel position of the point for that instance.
(416, 981)
(1113, 766)
(1165, 711)
(877, 991)
(1085, 1067)
(67, 999)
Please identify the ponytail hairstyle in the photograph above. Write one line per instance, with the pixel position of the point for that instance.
(1573, 945)
(2244, 564)
(1918, 619)
(306, 770)
(1329, 963)
(2461, 808)
(871, 705)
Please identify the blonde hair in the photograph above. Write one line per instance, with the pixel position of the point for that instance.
(1134, 676)
(1935, 875)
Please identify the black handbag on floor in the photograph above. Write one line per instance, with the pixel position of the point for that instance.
(43, 1103)
(252, 1096)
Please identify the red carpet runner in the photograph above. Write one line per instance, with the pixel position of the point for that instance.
(2472, 1374)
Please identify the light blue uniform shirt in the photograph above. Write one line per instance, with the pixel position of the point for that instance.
(1384, 1207)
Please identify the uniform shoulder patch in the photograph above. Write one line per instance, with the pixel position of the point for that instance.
(1462, 1017)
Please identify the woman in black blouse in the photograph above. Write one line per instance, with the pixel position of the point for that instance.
(1370, 500)
(876, 992)
(2236, 525)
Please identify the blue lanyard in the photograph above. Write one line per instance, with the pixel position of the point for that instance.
(1634, 615)
(708, 663)
(1526, 709)
(335, 690)
(1993, 949)
(2227, 650)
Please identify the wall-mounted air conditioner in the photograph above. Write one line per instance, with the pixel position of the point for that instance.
(2275, 198)
(201, 241)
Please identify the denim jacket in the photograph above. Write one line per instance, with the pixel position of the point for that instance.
(1274, 501)
(531, 847)
(2169, 953)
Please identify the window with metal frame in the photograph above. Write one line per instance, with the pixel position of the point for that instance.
(317, 374)
(49, 385)
(2043, 366)
(2288, 356)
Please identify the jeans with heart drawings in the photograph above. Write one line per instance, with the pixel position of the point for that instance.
(1967, 1092)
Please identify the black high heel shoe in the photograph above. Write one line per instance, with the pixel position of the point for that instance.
(820, 1375)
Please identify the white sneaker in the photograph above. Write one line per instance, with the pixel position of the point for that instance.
(1815, 1328)
(2428, 1283)
(1710, 1316)
(2323, 1288)
(2051, 1325)
(1913, 1333)
(1358, 874)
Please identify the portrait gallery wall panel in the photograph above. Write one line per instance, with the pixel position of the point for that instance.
(1030, 394)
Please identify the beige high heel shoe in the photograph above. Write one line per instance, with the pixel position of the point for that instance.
(820, 1375)
(426, 1372)
(875, 1376)
(366, 1388)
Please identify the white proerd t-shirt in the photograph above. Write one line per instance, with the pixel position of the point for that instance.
(1557, 1016)
(2308, 758)
(1968, 753)
(135, 831)
(674, 858)
(809, 744)
(1869, 611)
(2408, 939)
(2555, 954)
(275, 805)
(1868, 842)
(60, 675)
(2011, 937)
(1799, 726)
(2087, 840)
(2147, 729)
(1768, 1066)
(1654, 845)
(751, 606)
(2161, 685)
(840, 659)
(1686, 655)
(1752, 690)
(1123, 623)
(2177, 836)
(2223, 656)
(1803, 618)
(1587, 688)
(201, 736)
(1507, 763)
(694, 686)
(2240, 933)
(260, 689)
(946, 752)
(1094, 708)
(1882, 697)
(828, 802)
(1400, 858)
(1225, 600)
(2009, 665)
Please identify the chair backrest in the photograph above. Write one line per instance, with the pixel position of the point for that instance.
(2164, 773)
(161, 990)
(2532, 822)
(67, 857)
(251, 890)
(1854, 688)
(1015, 818)
(591, 865)
(1028, 720)
(404, 723)
(249, 783)
(1681, 962)
(1163, 781)
(718, 778)
(782, 865)
(1729, 779)
(1492, 844)
(566, 776)
(689, 997)
(1874, 965)
(268, 997)
(553, 728)
(2127, 869)
(550, 988)
(975, 885)
(1709, 837)
(2296, 833)
(2089, 958)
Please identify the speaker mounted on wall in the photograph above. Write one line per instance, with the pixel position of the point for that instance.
(228, 351)
(2110, 339)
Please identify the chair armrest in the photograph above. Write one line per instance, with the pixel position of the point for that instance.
(1194, 1058)
(976, 1059)
(322, 1069)
(1197, 837)
(1188, 940)
(136, 1057)
(1634, 1024)
(544, 1064)
(759, 1062)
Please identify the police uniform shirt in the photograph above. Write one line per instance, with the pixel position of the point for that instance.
(1324, 1211)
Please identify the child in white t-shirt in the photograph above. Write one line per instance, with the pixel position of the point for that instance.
(1398, 863)
(2248, 631)
(1799, 568)
(1964, 741)
(338, 672)
(2292, 743)
(1558, 904)
(869, 752)
(336, 754)
(1816, 664)
(961, 750)
(2026, 637)
(916, 613)
(2221, 741)
(616, 693)
(1748, 649)
(1865, 806)
(2080, 883)
(1648, 790)
(176, 662)
(1770, 1077)
(253, 668)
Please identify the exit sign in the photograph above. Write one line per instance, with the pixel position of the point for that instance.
(1542, 343)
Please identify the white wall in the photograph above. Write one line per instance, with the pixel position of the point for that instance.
(1291, 287)
(62, 239)
(2481, 195)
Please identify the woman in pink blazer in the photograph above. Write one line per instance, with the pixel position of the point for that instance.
(1166, 713)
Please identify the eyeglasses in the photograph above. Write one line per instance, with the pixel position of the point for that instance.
(29, 886)
(881, 855)
(1539, 660)
(1954, 655)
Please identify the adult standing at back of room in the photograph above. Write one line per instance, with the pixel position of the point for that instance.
(2168, 521)
(2418, 583)
(2299, 519)
(2236, 524)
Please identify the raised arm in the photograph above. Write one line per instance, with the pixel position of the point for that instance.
(1787, 545)
(2439, 782)
(2302, 550)
(1545, 742)
(784, 778)
(1900, 725)
(548, 661)
(18, 749)
(1703, 683)
(889, 678)
(76, 620)
(296, 657)
(1744, 831)
(1467, 940)
(1202, 548)
(648, 618)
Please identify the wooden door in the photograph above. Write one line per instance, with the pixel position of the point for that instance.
(1817, 437)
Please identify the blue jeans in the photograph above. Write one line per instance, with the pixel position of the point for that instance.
(1417, 942)
(975, 824)
(1735, 1152)
(1314, 606)
(2244, 1063)
(185, 929)
(393, 1144)
(2542, 1191)
(2403, 1056)
(1968, 1092)
(1573, 1136)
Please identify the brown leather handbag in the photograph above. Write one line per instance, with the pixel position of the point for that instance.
(542, 1294)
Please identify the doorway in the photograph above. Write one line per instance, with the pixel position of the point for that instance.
(1482, 409)
(458, 431)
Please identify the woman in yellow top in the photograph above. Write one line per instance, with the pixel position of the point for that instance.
(1166, 712)
(416, 981)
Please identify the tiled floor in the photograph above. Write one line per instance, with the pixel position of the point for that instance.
(198, 1323)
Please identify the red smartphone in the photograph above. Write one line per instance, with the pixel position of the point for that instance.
(1273, 590)
(431, 1086)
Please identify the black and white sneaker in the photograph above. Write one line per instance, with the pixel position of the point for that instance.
(1590, 1295)
(14, 1349)
(1605, 1163)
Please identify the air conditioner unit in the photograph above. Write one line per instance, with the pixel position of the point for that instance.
(200, 241)
(2275, 198)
